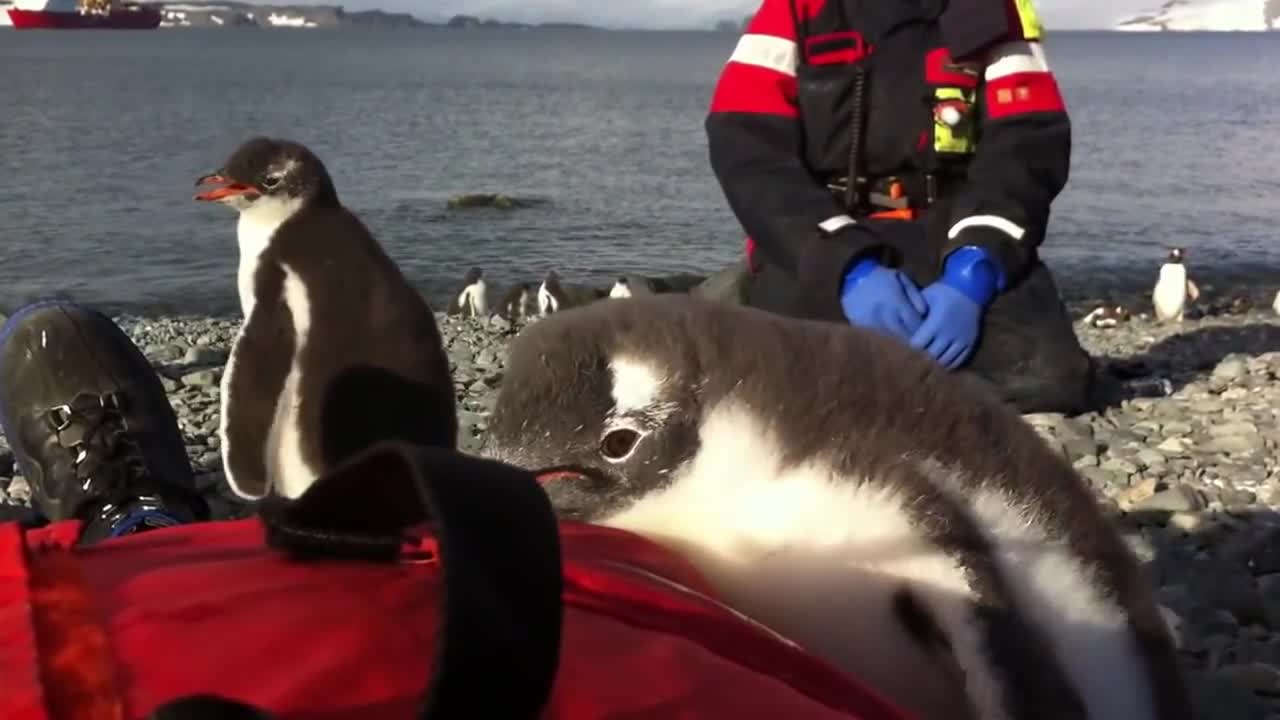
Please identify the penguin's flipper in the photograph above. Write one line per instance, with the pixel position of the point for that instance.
(1011, 670)
(255, 376)
(1193, 292)
(365, 405)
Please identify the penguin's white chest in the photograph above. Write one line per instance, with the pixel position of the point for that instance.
(475, 299)
(820, 558)
(257, 224)
(547, 302)
(1275, 304)
(620, 291)
(1169, 297)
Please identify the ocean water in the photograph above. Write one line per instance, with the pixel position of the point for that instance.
(102, 135)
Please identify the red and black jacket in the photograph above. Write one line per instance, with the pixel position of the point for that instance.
(779, 128)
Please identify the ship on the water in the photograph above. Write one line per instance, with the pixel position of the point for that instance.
(82, 15)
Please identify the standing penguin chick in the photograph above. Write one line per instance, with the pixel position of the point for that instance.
(1173, 289)
(337, 351)
(844, 490)
(516, 303)
(550, 295)
(473, 299)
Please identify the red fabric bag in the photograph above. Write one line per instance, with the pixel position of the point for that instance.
(323, 610)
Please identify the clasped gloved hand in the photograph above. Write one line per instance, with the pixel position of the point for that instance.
(957, 301)
(880, 298)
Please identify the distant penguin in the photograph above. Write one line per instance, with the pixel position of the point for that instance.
(554, 295)
(550, 295)
(631, 286)
(1275, 304)
(1173, 289)
(337, 350)
(473, 299)
(916, 533)
(621, 288)
(517, 302)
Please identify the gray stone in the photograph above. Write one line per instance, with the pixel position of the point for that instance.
(1231, 368)
(1233, 445)
(1233, 429)
(204, 356)
(1119, 467)
(202, 378)
(19, 490)
(1150, 458)
(1181, 498)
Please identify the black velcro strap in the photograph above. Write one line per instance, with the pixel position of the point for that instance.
(498, 648)
(970, 26)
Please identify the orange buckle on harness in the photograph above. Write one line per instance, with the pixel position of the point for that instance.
(895, 214)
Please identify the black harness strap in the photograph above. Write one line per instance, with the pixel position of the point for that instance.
(499, 646)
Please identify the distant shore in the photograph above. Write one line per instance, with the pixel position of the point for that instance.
(239, 14)
(236, 14)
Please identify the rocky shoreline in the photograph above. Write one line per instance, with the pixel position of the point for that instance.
(1193, 477)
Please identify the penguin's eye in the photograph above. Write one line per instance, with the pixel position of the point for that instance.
(270, 181)
(618, 444)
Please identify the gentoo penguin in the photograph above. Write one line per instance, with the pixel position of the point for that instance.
(337, 350)
(621, 288)
(554, 296)
(1173, 289)
(473, 299)
(516, 303)
(631, 286)
(1275, 304)
(839, 487)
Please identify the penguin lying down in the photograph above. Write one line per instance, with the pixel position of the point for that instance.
(852, 495)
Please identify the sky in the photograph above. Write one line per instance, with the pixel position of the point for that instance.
(1065, 14)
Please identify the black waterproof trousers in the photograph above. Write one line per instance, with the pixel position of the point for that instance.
(1028, 352)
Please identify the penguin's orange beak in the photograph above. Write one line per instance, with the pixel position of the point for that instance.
(225, 190)
(559, 474)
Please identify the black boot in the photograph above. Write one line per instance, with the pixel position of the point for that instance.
(90, 425)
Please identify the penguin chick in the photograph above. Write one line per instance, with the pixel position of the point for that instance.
(517, 302)
(550, 295)
(842, 489)
(473, 299)
(337, 350)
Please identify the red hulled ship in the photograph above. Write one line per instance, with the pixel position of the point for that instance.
(83, 15)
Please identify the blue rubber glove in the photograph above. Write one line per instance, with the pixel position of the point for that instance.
(970, 280)
(880, 298)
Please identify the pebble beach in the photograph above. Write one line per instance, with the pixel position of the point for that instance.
(1190, 472)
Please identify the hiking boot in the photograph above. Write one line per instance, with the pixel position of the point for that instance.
(90, 425)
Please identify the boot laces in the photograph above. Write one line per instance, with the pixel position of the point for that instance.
(106, 458)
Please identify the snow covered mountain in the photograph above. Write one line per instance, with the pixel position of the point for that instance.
(1207, 15)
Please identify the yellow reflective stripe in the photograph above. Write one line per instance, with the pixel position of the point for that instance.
(959, 139)
(1030, 19)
